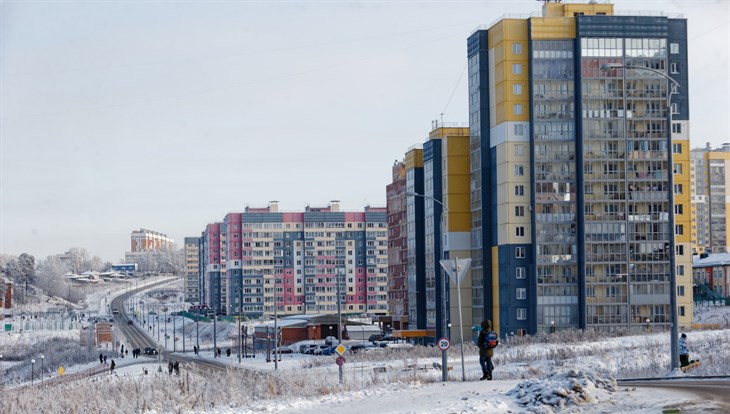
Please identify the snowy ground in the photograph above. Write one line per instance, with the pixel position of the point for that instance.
(553, 374)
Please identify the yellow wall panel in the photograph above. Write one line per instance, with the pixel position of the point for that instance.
(552, 28)
(414, 159)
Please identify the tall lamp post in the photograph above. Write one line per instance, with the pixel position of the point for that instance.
(32, 370)
(444, 359)
(43, 357)
(674, 331)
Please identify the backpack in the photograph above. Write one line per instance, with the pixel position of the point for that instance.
(491, 340)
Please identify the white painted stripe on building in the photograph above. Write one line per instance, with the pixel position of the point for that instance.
(505, 132)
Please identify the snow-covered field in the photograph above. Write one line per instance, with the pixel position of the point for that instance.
(563, 372)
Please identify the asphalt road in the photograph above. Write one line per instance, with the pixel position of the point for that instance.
(715, 390)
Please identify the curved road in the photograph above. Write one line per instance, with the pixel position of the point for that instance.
(139, 338)
(716, 390)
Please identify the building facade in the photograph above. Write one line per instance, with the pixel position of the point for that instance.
(710, 171)
(191, 251)
(397, 247)
(579, 168)
(292, 262)
(145, 240)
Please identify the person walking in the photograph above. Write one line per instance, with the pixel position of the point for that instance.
(105, 359)
(111, 367)
(101, 358)
(683, 351)
(487, 341)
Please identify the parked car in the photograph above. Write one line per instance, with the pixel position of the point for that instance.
(150, 351)
(283, 350)
(320, 348)
(357, 348)
(381, 337)
(115, 311)
(130, 323)
(330, 340)
(329, 351)
(306, 348)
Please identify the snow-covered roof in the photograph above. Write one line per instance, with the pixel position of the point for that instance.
(715, 259)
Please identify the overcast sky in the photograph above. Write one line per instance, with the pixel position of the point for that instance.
(168, 115)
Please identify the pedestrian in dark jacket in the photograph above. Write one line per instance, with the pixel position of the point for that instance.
(486, 349)
(101, 358)
(111, 367)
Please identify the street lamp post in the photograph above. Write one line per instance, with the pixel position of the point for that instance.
(444, 358)
(32, 370)
(674, 331)
(165, 310)
(43, 357)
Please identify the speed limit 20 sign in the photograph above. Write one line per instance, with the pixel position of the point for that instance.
(444, 344)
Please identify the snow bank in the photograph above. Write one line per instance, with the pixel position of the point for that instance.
(557, 391)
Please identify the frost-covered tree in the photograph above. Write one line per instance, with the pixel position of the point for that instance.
(50, 276)
(26, 263)
(78, 257)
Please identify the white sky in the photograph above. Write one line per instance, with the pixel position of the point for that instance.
(167, 115)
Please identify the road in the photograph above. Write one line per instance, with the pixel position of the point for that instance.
(715, 390)
(137, 337)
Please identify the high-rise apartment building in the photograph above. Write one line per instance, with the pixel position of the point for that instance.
(437, 218)
(264, 261)
(710, 172)
(145, 240)
(397, 247)
(191, 252)
(580, 212)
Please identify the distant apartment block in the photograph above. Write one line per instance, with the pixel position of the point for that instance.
(710, 174)
(397, 247)
(145, 240)
(262, 259)
(191, 251)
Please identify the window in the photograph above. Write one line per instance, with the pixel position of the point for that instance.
(678, 209)
(680, 311)
(520, 252)
(677, 168)
(680, 270)
(521, 314)
(519, 150)
(519, 211)
(517, 109)
(674, 48)
(679, 229)
(521, 273)
(522, 293)
(678, 188)
(517, 69)
(517, 89)
(519, 170)
(676, 128)
(519, 129)
(675, 109)
(679, 250)
(677, 148)
(520, 231)
(519, 190)
(516, 48)
(680, 290)
(674, 68)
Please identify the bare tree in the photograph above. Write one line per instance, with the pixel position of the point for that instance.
(78, 257)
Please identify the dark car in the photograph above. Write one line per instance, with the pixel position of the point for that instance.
(150, 351)
(329, 351)
(130, 323)
(283, 350)
(381, 337)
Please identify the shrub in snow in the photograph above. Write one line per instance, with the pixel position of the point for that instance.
(560, 390)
